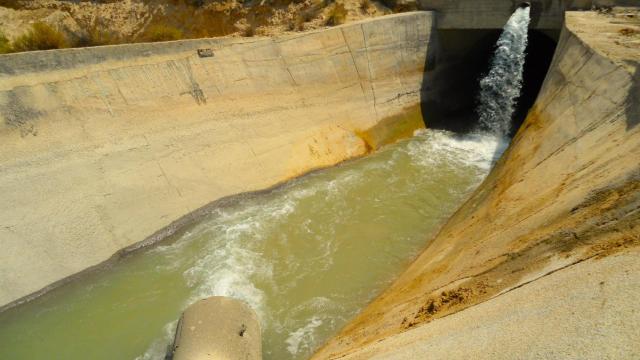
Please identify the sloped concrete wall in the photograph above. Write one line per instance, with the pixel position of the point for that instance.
(101, 147)
(566, 193)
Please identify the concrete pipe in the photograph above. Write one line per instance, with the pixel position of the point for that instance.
(218, 328)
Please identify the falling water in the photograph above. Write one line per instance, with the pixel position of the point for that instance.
(500, 89)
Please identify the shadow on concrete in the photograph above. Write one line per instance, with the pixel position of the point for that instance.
(455, 62)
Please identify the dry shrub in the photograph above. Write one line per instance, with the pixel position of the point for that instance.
(160, 32)
(314, 9)
(97, 37)
(366, 5)
(338, 15)
(40, 37)
(5, 46)
(14, 4)
(249, 31)
(297, 24)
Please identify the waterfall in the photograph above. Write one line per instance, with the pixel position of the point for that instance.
(500, 88)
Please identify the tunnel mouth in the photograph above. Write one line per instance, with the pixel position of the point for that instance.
(524, 5)
(462, 57)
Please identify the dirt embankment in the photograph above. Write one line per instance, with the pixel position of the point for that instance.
(109, 22)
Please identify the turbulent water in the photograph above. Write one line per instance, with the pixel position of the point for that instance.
(500, 88)
(306, 256)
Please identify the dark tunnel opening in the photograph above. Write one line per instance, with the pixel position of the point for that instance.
(462, 57)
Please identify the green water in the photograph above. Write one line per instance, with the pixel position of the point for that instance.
(307, 257)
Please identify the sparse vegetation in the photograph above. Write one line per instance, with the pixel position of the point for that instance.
(161, 32)
(40, 37)
(338, 15)
(179, 19)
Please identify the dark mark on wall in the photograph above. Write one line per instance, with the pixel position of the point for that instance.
(205, 53)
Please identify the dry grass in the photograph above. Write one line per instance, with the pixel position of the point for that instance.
(161, 32)
(40, 37)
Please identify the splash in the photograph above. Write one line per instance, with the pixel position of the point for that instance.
(500, 88)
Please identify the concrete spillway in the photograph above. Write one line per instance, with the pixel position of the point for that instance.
(305, 257)
(102, 147)
(548, 245)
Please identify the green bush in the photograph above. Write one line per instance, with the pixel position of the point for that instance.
(160, 32)
(40, 37)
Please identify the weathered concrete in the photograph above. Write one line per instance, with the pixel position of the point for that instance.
(218, 328)
(513, 326)
(567, 191)
(101, 147)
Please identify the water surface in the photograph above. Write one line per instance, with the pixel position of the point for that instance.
(306, 256)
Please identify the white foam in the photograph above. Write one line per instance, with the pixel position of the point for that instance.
(303, 338)
(159, 347)
(436, 147)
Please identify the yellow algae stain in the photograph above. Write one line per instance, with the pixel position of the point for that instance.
(333, 144)
(392, 128)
